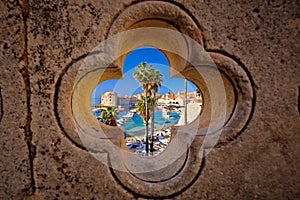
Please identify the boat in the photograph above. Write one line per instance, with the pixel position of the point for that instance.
(133, 111)
(96, 110)
(127, 117)
(120, 122)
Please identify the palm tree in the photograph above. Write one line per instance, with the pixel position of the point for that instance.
(157, 79)
(142, 75)
(141, 107)
(109, 116)
(143, 110)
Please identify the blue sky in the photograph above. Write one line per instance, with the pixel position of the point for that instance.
(129, 86)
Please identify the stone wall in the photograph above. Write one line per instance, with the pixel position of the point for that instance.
(44, 42)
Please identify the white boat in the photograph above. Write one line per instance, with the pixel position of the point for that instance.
(96, 110)
(123, 120)
(120, 122)
(126, 117)
(133, 111)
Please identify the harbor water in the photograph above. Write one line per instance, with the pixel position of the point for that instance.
(136, 125)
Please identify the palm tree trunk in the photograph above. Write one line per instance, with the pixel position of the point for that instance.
(146, 130)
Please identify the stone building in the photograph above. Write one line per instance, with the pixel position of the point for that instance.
(243, 54)
(109, 99)
(127, 101)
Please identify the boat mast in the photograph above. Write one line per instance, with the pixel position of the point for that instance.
(185, 102)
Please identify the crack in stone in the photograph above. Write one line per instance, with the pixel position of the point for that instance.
(24, 6)
(299, 99)
(1, 106)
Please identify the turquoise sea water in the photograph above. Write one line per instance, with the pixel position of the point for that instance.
(136, 125)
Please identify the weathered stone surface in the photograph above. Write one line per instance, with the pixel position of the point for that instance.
(15, 178)
(261, 163)
(58, 33)
(64, 171)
